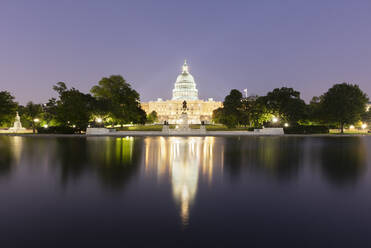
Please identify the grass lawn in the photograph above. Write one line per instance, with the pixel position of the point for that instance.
(141, 128)
(224, 128)
(192, 126)
(337, 131)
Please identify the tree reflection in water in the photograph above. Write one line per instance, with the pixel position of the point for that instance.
(113, 159)
(343, 160)
(116, 161)
(6, 156)
(279, 157)
(71, 157)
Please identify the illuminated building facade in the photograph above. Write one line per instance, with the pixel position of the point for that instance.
(184, 90)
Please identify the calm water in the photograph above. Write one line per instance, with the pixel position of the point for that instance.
(155, 191)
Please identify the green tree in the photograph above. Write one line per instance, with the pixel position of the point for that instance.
(31, 113)
(344, 104)
(217, 115)
(257, 112)
(8, 108)
(232, 109)
(366, 118)
(123, 102)
(74, 108)
(101, 109)
(50, 111)
(152, 117)
(286, 104)
(315, 114)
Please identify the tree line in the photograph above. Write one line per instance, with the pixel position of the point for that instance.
(112, 102)
(342, 105)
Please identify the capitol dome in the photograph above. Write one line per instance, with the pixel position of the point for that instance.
(185, 86)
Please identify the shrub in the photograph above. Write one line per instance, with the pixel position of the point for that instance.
(306, 129)
(57, 130)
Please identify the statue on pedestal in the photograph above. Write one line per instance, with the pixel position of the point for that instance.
(17, 126)
(185, 107)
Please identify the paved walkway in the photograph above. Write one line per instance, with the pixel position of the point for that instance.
(207, 133)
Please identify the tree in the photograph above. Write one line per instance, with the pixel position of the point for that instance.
(152, 117)
(232, 109)
(123, 101)
(315, 111)
(344, 103)
(286, 104)
(31, 112)
(50, 111)
(8, 108)
(257, 112)
(366, 117)
(73, 107)
(217, 115)
(100, 111)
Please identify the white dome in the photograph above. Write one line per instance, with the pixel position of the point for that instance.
(185, 77)
(185, 86)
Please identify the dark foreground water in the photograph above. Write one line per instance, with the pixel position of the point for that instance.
(183, 192)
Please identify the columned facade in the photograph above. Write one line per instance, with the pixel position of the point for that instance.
(184, 90)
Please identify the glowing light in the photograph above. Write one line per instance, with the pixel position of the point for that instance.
(184, 160)
(73, 126)
(364, 125)
(99, 120)
(286, 124)
(36, 120)
(351, 127)
(274, 119)
(46, 126)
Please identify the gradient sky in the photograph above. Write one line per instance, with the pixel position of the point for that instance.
(258, 45)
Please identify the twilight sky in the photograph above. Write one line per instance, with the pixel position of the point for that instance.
(258, 45)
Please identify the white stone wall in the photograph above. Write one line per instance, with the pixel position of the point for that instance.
(171, 110)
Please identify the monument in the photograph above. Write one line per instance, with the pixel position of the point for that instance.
(17, 126)
(183, 125)
(185, 89)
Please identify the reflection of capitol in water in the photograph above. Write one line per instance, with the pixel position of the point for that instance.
(186, 161)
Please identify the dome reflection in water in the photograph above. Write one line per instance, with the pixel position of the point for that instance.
(182, 160)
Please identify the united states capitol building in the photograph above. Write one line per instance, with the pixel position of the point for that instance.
(184, 90)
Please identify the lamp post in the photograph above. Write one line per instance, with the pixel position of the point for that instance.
(35, 120)
(99, 121)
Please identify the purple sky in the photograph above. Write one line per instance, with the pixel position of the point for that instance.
(258, 45)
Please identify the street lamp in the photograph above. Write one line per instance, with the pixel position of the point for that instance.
(99, 120)
(286, 124)
(351, 127)
(274, 119)
(36, 120)
(364, 125)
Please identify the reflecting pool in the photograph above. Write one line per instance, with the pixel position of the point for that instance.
(185, 191)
